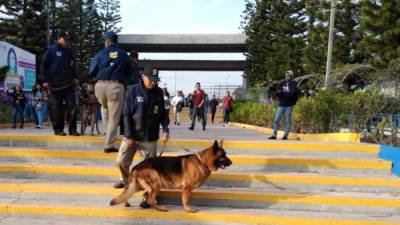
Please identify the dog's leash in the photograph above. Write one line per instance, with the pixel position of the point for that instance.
(173, 143)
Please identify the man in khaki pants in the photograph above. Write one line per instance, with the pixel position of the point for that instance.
(111, 67)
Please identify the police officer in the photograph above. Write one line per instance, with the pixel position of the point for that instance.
(144, 111)
(111, 66)
(57, 69)
(132, 79)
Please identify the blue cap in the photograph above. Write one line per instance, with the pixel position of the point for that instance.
(111, 35)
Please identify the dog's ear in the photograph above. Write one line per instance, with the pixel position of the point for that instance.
(221, 143)
(215, 146)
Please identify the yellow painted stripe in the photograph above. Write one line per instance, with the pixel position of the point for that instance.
(327, 163)
(207, 194)
(275, 178)
(280, 178)
(180, 215)
(237, 159)
(374, 149)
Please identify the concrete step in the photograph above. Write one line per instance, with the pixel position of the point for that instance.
(7, 151)
(256, 180)
(347, 202)
(240, 162)
(267, 147)
(52, 200)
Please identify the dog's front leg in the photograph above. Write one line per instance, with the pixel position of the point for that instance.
(185, 200)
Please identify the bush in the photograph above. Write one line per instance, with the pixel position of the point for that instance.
(328, 111)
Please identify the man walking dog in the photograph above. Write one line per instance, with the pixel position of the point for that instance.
(143, 113)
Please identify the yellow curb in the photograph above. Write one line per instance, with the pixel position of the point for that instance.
(236, 159)
(273, 177)
(256, 145)
(327, 137)
(179, 215)
(307, 199)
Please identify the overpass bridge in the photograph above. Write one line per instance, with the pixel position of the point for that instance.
(188, 43)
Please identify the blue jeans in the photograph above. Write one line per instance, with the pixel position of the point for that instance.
(227, 112)
(287, 111)
(198, 112)
(18, 110)
(40, 115)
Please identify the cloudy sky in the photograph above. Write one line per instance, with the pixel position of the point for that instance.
(186, 17)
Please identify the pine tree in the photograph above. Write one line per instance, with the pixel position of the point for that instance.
(275, 39)
(345, 34)
(380, 43)
(109, 15)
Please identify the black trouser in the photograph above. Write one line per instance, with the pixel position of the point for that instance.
(198, 112)
(213, 111)
(59, 110)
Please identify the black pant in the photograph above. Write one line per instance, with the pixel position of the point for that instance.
(60, 110)
(213, 111)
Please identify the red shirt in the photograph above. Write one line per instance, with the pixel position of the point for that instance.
(227, 102)
(198, 97)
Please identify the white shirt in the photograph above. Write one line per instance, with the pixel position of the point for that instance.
(176, 100)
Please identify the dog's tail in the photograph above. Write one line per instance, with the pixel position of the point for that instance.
(126, 194)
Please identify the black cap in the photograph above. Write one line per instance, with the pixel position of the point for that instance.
(151, 72)
(111, 36)
(63, 34)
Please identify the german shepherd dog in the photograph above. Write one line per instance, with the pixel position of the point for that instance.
(185, 172)
(88, 111)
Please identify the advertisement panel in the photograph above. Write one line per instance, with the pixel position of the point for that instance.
(22, 67)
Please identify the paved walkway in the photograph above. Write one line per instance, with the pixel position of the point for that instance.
(216, 131)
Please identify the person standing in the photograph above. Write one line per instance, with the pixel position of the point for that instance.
(198, 106)
(206, 106)
(144, 112)
(287, 97)
(177, 103)
(39, 97)
(18, 105)
(111, 66)
(57, 69)
(167, 101)
(227, 101)
(213, 108)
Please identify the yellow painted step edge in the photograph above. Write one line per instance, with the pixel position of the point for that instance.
(276, 178)
(237, 159)
(373, 149)
(179, 215)
(205, 194)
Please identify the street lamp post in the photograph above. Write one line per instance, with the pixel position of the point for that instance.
(330, 42)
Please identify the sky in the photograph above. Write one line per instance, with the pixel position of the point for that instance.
(186, 17)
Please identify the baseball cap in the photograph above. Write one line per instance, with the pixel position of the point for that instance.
(151, 72)
(111, 36)
(63, 34)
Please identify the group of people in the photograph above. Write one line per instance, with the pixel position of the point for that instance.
(25, 106)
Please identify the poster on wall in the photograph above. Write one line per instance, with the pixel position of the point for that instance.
(22, 67)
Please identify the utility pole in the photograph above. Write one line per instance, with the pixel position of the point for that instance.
(330, 42)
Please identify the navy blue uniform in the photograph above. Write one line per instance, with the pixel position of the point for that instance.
(111, 63)
(57, 67)
(144, 111)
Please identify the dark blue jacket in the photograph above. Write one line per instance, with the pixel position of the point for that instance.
(290, 97)
(143, 113)
(57, 66)
(111, 63)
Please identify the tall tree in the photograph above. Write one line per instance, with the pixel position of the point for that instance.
(109, 15)
(346, 34)
(275, 32)
(380, 43)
